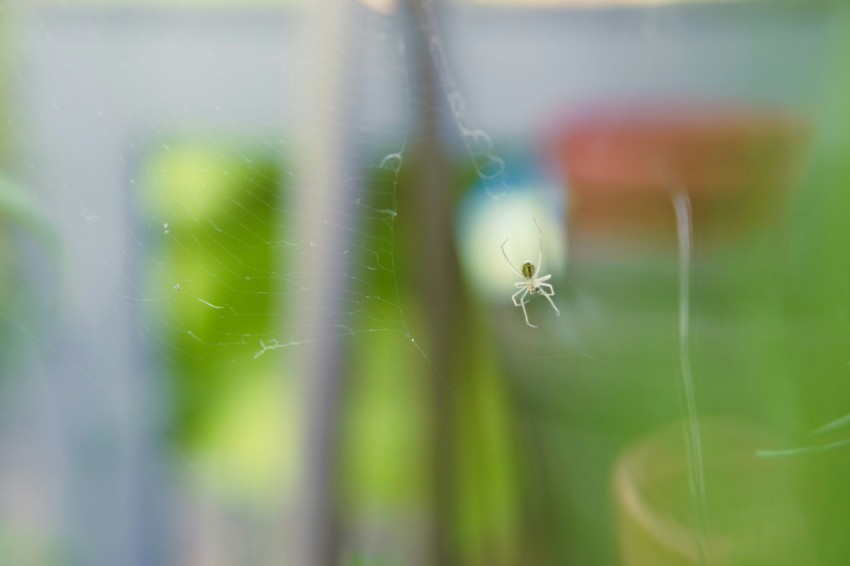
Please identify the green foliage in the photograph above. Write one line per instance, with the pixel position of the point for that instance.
(214, 209)
(20, 207)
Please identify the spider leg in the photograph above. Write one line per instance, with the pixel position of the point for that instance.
(514, 297)
(520, 284)
(504, 253)
(547, 289)
(549, 298)
(524, 312)
(540, 257)
(547, 278)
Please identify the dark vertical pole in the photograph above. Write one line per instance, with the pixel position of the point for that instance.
(440, 284)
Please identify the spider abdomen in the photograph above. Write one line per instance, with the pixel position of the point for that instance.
(527, 270)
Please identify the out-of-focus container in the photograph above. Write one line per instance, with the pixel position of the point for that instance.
(608, 371)
(623, 164)
(755, 515)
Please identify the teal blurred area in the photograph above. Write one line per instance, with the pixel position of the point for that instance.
(256, 272)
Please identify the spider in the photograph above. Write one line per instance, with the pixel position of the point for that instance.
(531, 284)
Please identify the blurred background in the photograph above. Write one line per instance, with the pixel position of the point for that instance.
(257, 260)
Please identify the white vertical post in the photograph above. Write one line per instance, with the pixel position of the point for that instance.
(321, 232)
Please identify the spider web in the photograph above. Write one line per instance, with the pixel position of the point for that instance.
(194, 253)
(167, 149)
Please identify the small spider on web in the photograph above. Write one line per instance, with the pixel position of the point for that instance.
(531, 282)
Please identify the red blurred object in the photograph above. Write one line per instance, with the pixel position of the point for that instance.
(622, 165)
